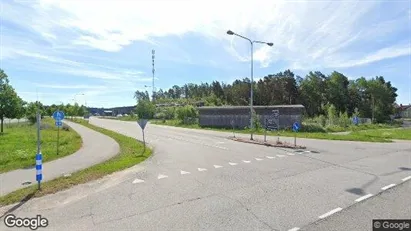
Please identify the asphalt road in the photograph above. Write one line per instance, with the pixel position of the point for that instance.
(200, 180)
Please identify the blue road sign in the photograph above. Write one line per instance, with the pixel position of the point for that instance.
(58, 115)
(296, 126)
(59, 123)
(39, 175)
(355, 120)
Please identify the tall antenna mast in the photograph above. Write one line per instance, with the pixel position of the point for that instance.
(153, 56)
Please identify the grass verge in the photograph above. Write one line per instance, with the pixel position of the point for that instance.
(131, 153)
(365, 133)
(18, 144)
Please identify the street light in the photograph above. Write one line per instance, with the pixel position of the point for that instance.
(229, 32)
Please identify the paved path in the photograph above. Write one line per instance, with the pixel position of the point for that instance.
(200, 180)
(96, 148)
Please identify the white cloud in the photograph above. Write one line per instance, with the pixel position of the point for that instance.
(385, 53)
(306, 34)
(61, 86)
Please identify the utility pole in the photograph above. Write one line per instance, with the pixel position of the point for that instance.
(152, 57)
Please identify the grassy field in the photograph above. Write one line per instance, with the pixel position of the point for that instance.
(366, 132)
(131, 153)
(19, 144)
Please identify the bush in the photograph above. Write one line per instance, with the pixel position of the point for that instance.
(312, 127)
(186, 112)
(145, 109)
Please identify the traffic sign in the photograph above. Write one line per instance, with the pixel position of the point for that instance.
(296, 127)
(355, 120)
(58, 115)
(59, 123)
(142, 123)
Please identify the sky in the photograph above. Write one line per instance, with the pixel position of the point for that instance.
(99, 53)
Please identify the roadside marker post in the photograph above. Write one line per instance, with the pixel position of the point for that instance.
(142, 123)
(232, 125)
(39, 175)
(296, 127)
(58, 116)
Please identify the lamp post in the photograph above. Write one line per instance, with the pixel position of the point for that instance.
(229, 32)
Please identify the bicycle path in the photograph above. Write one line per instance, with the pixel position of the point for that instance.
(96, 148)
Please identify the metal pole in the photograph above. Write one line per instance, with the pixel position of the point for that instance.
(58, 138)
(251, 92)
(144, 141)
(38, 143)
(153, 55)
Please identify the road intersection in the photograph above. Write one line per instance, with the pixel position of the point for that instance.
(201, 180)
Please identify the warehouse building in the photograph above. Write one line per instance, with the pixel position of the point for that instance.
(239, 116)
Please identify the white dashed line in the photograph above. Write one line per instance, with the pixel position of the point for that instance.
(307, 151)
(290, 154)
(388, 186)
(294, 229)
(202, 169)
(258, 159)
(406, 178)
(217, 166)
(246, 161)
(136, 181)
(232, 163)
(184, 172)
(280, 156)
(161, 176)
(270, 157)
(330, 213)
(220, 142)
(363, 197)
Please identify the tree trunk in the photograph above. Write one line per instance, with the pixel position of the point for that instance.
(1, 119)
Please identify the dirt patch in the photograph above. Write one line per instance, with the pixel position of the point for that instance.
(278, 144)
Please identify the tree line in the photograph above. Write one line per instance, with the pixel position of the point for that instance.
(14, 107)
(367, 98)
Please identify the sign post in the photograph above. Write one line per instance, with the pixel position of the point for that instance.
(232, 125)
(39, 175)
(142, 123)
(296, 127)
(58, 116)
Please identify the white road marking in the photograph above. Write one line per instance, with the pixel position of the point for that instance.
(364, 197)
(307, 151)
(232, 163)
(136, 181)
(161, 176)
(217, 166)
(330, 213)
(202, 169)
(184, 172)
(280, 156)
(388, 186)
(258, 159)
(406, 178)
(246, 161)
(294, 229)
(270, 157)
(290, 154)
(220, 142)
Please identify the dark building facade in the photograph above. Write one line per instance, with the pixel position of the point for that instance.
(239, 116)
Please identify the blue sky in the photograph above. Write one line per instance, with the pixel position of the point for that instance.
(99, 52)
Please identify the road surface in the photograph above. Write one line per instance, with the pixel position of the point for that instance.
(200, 180)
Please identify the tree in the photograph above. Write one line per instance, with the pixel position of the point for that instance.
(145, 109)
(10, 102)
(31, 111)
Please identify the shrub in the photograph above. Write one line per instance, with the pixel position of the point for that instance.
(185, 112)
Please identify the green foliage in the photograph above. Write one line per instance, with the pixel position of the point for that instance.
(186, 112)
(145, 109)
(316, 91)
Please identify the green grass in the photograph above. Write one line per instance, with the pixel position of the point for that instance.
(131, 153)
(365, 132)
(19, 144)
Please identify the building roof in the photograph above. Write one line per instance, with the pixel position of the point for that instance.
(247, 107)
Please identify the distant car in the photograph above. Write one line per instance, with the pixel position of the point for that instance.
(119, 115)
